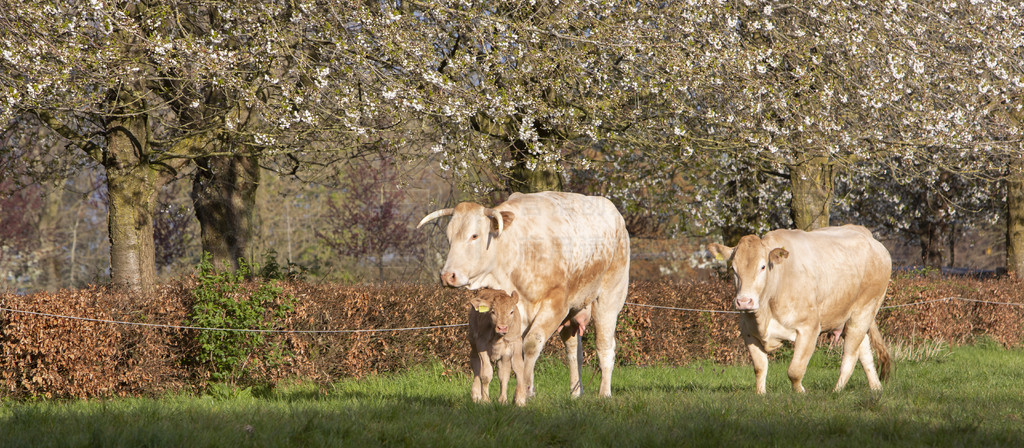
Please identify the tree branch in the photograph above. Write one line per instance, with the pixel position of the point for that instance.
(92, 149)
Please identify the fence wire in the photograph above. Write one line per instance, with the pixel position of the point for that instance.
(429, 327)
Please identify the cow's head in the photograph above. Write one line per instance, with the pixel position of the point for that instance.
(471, 233)
(752, 262)
(500, 307)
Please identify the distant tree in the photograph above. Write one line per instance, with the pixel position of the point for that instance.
(143, 88)
(30, 164)
(18, 233)
(173, 229)
(366, 220)
(918, 201)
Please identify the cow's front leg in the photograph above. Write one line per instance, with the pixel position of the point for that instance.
(759, 358)
(758, 354)
(518, 368)
(544, 324)
(803, 348)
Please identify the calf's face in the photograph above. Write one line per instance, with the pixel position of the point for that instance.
(751, 263)
(497, 306)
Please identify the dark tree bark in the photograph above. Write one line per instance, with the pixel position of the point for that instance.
(932, 243)
(936, 231)
(132, 184)
(47, 225)
(1015, 217)
(527, 180)
(812, 184)
(224, 197)
(524, 178)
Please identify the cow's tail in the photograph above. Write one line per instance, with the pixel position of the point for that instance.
(878, 345)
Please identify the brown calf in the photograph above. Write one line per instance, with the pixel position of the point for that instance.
(496, 334)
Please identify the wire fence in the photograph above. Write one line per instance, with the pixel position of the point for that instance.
(428, 327)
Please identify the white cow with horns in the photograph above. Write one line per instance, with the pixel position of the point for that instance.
(565, 254)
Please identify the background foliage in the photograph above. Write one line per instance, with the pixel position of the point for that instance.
(702, 119)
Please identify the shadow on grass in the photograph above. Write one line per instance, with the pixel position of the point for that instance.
(654, 416)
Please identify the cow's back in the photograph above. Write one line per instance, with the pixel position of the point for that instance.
(834, 271)
(568, 240)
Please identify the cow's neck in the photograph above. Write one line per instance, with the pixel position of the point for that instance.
(499, 276)
(764, 316)
(765, 313)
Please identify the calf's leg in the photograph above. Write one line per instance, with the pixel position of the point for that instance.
(504, 372)
(476, 390)
(484, 377)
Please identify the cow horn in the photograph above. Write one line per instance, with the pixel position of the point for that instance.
(492, 213)
(436, 214)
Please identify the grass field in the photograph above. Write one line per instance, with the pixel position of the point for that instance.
(967, 396)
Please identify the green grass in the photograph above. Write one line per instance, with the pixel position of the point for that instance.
(965, 396)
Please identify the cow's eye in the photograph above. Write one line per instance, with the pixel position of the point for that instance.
(474, 236)
(762, 267)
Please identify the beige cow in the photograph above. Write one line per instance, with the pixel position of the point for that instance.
(565, 254)
(794, 285)
(496, 334)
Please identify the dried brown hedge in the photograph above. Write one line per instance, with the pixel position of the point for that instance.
(954, 321)
(54, 357)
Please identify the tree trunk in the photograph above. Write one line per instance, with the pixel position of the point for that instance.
(132, 184)
(952, 245)
(812, 184)
(224, 197)
(1015, 217)
(934, 228)
(531, 179)
(525, 176)
(931, 244)
(47, 225)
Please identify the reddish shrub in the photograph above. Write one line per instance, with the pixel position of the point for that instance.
(55, 357)
(955, 321)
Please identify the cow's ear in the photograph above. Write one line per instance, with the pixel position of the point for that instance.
(506, 220)
(720, 252)
(480, 304)
(515, 297)
(777, 255)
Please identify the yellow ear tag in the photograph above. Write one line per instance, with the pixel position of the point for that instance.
(718, 256)
(483, 309)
